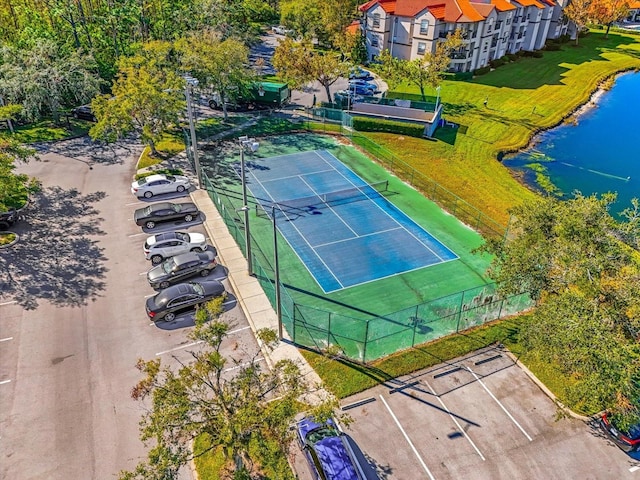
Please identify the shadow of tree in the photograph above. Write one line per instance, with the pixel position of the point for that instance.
(56, 258)
(90, 152)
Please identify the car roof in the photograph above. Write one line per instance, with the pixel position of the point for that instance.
(172, 292)
(191, 256)
(155, 176)
(160, 206)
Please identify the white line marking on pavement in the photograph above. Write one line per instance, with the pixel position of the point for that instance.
(455, 420)
(406, 437)
(259, 359)
(180, 347)
(150, 295)
(6, 339)
(143, 273)
(501, 405)
(9, 303)
(237, 329)
(137, 234)
(134, 203)
(634, 469)
(4, 381)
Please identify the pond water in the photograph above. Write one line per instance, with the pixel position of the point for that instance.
(598, 153)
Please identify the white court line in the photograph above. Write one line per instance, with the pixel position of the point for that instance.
(359, 236)
(406, 437)
(4, 381)
(455, 420)
(329, 207)
(6, 339)
(634, 469)
(9, 303)
(498, 402)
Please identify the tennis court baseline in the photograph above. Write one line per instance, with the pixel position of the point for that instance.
(344, 230)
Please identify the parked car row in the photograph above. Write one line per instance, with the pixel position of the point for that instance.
(176, 256)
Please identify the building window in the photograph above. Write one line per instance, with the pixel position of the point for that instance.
(424, 26)
(376, 19)
(374, 40)
(422, 47)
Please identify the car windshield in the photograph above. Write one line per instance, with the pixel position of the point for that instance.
(171, 178)
(168, 266)
(142, 181)
(320, 434)
(182, 236)
(633, 431)
(199, 289)
(147, 211)
(176, 207)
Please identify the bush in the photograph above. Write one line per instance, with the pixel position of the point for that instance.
(553, 47)
(364, 124)
(498, 62)
(532, 53)
(512, 57)
(459, 76)
(564, 38)
(165, 171)
(482, 70)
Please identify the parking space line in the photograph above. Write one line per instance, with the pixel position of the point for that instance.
(179, 348)
(500, 404)
(259, 359)
(6, 339)
(455, 420)
(406, 437)
(237, 329)
(137, 234)
(4, 381)
(9, 303)
(634, 469)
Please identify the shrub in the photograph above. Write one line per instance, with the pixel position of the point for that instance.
(564, 38)
(460, 76)
(553, 47)
(512, 57)
(498, 62)
(166, 171)
(482, 70)
(364, 124)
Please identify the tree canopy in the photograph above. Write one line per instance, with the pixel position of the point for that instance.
(246, 416)
(14, 188)
(570, 256)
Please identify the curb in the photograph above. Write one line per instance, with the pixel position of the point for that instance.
(13, 242)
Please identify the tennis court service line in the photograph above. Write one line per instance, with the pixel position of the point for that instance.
(300, 234)
(359, 236)
(387, 213)
(298, 175)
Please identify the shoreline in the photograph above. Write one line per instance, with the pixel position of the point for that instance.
(591, 102)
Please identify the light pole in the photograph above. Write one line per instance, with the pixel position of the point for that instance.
(190, 83)
(252, 145)
(276, 268)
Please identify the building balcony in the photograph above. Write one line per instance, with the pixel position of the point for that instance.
(459, 55)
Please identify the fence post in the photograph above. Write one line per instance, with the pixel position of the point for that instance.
(500, 311)
(366, 341)
(329, 330)
(460, 312)
(415, 325)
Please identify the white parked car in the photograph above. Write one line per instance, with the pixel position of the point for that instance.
(157, 184)
(168, 244)
(281, 30)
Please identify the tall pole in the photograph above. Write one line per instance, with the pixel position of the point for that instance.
(276, 267)
(192, 129)
(245, 209)
(437, 97)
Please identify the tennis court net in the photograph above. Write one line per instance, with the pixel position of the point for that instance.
(302, 205)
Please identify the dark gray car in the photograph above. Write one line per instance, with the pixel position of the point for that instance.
(181, 298)
(181, 267)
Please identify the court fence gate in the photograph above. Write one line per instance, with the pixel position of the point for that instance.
(365, 339)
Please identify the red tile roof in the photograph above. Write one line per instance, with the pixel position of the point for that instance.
(528, 3)
(437, 11)
(353, 28)
(410, 8)
(503, 5)
(483, 9)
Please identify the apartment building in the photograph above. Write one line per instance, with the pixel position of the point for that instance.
(491, 28)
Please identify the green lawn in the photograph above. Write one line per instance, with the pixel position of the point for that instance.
(523, 98)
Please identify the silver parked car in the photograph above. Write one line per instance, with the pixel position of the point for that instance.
(157, 184)
(165, 245)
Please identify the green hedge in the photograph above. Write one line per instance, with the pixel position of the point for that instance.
(364, 124)
(482, 70)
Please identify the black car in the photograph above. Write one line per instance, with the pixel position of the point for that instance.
(8, 218)
(84, 112)
(182, 297)
(185, 265)
(627, 439)
(164, 212)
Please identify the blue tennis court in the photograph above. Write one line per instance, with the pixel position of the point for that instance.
(344, 230)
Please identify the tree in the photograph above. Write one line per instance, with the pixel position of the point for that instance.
(8, 113)
(569, 257)
(219, 65)
(423, 72)
(44, 79)
(300, 64)
(609, 11)
(579, 12)
(253, 408)
(147, 97)
(14, 188)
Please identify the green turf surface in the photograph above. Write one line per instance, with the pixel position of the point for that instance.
(391, 313)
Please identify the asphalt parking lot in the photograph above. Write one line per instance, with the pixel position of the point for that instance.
(73, 322)
(478, 417)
